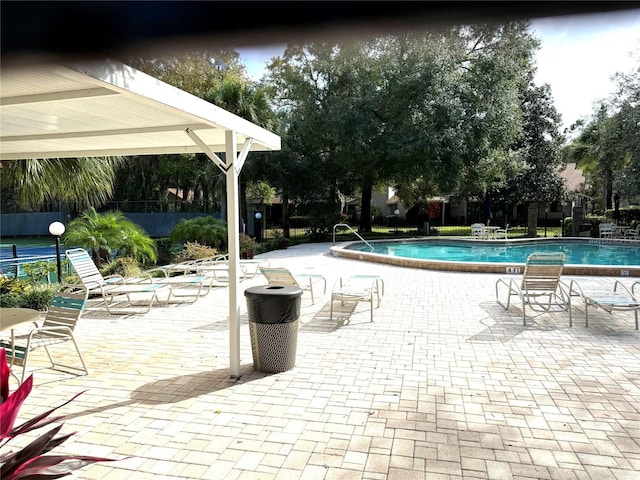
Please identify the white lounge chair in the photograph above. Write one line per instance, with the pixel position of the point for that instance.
(187, 287)
(539, 287)
(358, 288)
(283, 276)
(114, 289)
(591, 294)
(58, 326)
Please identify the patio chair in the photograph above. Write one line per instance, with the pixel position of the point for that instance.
(591, 294)
(606, 230)
(540, 287)
(632, 233)
(358, 288)
(502, 232)
(59, 323)
(115, 289)
(283, 276)
(478, 231)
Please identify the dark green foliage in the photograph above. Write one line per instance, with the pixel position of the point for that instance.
(39, 271)
(38, 297)
(25, 294)
(10, 300)
(108, 234)
(167, 251)
(203, 230)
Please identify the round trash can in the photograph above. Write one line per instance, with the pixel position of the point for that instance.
(274, 312)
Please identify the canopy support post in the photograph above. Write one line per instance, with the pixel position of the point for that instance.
(233, 225)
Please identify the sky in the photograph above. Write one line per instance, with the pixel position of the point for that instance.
(578, 56)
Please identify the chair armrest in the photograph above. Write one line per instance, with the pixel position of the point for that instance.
(152, 272)
(622, 286)
(114, 280)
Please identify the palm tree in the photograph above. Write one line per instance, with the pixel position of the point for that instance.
(251, 103)
(203, 230)
(79, 182)
(109, 233)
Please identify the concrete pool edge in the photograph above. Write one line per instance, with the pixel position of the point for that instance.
(486, 267)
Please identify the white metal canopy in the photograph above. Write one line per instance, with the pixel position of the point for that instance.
(107, 108)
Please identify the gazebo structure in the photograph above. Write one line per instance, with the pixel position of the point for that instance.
(106, 108)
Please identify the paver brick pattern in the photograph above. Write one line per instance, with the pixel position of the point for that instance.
(444, 384)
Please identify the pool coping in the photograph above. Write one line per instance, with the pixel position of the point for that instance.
(488, 267)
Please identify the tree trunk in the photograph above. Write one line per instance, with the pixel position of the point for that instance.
(608, 189)
(532, 220)
(365, 206)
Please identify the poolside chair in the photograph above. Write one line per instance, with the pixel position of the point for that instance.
(502, 232)
(187, 287)
(115, 290)
(606, 230)
(592, 294)
(358, 288)
(478, 231)
(632, 233)
(59, 323)
(282, 276)
(540, 285)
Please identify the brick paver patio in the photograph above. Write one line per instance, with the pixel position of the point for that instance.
(444, 384)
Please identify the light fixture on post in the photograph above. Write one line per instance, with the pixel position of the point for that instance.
(57, 229)
(258, 227)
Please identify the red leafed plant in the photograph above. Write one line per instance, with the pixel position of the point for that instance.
(31, 462)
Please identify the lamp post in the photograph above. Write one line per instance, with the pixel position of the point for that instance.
(56, 229)
(397, 212)
(258, 226)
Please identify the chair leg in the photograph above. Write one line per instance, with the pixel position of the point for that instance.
(331, 314)
(84, 365)
(24, 366)
(75, 344)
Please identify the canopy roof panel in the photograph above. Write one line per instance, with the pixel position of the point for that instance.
(107, 108)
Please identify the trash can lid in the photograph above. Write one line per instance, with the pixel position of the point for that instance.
(282, 291)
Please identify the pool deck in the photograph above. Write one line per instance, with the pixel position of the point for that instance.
(443, 384)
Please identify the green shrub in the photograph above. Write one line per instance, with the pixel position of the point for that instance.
(195, 251)
(38, 297)
(124, 266)
(167, 250)
(204, 230)
(10, 300)
(12, 285)
(38, 271)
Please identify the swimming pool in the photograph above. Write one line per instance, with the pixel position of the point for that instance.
(584, 256)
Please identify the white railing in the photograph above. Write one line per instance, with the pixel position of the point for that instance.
(352, 231)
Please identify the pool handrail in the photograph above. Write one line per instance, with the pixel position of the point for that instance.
(352, 231)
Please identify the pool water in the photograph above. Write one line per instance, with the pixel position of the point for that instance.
(587, 252)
